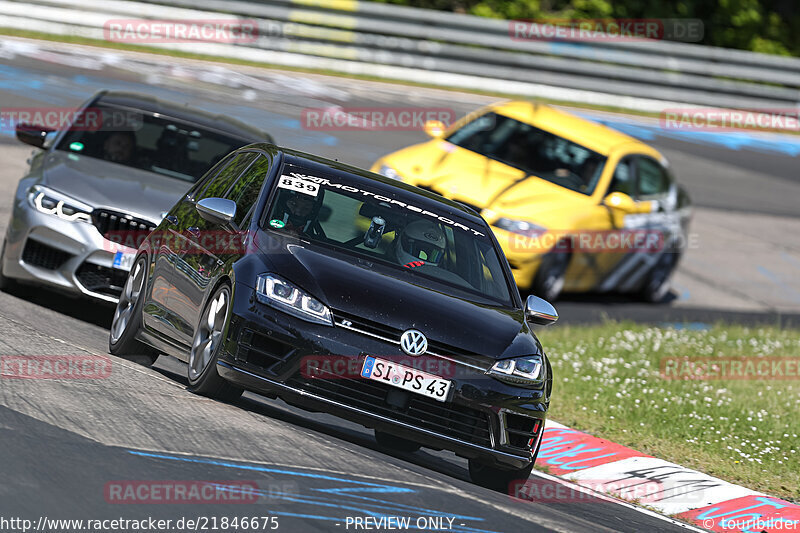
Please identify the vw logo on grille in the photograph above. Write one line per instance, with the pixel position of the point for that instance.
(413, 342)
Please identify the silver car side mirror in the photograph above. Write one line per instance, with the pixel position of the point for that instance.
(538, 311)
(217, 210)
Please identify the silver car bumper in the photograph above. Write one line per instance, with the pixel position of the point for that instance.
(68, 256)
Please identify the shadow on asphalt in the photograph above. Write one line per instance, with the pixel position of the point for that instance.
(333, 427)
(94, 312)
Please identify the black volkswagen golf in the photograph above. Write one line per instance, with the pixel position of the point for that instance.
(342, 291)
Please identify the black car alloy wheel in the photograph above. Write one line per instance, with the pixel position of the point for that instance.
(128, 319)
(207, 342)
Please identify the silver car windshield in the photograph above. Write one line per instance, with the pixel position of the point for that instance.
(141, 140)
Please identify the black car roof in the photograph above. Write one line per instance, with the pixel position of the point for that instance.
(184, 112)
(303, 159)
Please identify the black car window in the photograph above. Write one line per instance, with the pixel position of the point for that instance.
(203, 182)
(534, 151)
(622, 181)
(246, 189)
(653, 179)
(147, 141)
(218, 186)
(390, 226)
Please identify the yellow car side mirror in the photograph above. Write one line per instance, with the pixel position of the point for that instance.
(434, 128)
(621, 201)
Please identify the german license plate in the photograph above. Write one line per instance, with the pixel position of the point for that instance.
(406, 378)
(123, 261)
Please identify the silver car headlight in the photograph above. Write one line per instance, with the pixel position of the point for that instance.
(279, 293)
(390, 172)
(52, 202)
(521, 227)
(525, 371)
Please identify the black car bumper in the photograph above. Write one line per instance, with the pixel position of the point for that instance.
(267, 351)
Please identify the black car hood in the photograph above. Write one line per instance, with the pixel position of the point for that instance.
(104, 184)
(367, 290)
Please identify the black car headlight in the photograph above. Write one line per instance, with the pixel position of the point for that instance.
(279, 293)
(526, 371)
(55, 203)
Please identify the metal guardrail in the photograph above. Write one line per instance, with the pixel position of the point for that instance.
(448, 49)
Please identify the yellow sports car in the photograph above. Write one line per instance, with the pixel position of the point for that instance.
(575, 205)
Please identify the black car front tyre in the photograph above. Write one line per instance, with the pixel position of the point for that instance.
(128, 319)
(206, 345)
(494, 478)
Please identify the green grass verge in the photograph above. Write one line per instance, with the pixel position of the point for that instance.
(608, 382)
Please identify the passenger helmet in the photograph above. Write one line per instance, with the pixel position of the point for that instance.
(420, 241)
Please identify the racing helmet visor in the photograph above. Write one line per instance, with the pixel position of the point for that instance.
(422, 250)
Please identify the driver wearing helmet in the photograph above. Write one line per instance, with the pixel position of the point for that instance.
(298, 215)
(421, 243)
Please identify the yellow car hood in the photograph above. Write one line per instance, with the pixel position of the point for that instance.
(484, 183)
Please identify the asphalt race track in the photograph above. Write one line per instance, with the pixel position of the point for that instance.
(65, 441)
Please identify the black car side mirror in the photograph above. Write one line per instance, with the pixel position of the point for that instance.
(30, 134)
(217, 210)
(539, 311)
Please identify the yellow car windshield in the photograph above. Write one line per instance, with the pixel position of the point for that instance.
(534, 151)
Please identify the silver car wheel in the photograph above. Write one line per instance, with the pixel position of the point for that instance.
(127, 301)
(208, 335)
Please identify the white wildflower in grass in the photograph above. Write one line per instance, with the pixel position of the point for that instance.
(608, 380)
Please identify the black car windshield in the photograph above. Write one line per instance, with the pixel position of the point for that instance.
(155, 143)
(390, 226)
(536, 152)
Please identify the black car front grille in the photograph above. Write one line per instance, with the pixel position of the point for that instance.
(262, 351)
(100, 279)
(382, 330)
(521, 431)
(42, 255)
(444, 418)
(121, 227)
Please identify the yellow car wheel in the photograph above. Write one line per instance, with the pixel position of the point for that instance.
(658, 283)
(551, 276)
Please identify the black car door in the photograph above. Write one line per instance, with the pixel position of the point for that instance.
(207, 246)
(166, 240)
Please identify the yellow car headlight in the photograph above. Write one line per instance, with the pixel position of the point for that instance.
(520, 227)
(389, 172)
